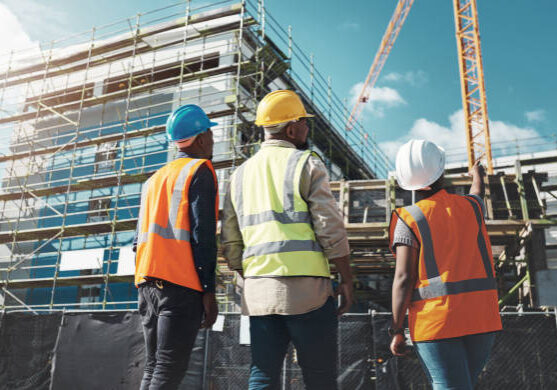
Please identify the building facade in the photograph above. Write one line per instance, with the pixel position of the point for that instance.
(82, 127)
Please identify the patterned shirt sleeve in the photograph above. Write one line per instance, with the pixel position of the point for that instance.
(404, 236)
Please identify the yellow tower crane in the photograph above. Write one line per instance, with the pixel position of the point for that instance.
(471, 76)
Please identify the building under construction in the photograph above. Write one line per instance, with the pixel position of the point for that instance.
(82, 126)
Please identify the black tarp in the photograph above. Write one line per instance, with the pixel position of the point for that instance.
(99, 351)
(26, 344)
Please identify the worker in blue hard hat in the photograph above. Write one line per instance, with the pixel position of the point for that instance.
(176, 250)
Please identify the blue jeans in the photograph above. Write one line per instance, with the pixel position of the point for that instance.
(171, 317)
(314, 336)
(455, 364)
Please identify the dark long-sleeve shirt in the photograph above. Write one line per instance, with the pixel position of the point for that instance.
(201, 196)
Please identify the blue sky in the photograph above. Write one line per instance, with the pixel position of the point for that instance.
(418, 94)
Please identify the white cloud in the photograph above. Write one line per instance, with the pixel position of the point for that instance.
(13, 35)
(16, 50)
(41, 20)
(14, 38)
(453, 137)
(535, 116)
(415, 78)
(393, 76)
(380, 98)
(348, 26)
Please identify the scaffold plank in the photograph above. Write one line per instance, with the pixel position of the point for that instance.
(94, 100)
(101, 49)
(104, 139)
(83, 229)
(65, 281)
(358, 267)
(87, 183)
(373, 235)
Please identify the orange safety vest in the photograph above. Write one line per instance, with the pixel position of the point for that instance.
(163, 244)
(456, 290)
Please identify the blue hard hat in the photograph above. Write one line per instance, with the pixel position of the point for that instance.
(186, 122)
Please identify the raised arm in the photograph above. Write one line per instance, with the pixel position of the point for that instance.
(478, 186)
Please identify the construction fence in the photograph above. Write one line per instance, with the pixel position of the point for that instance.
(104, 350)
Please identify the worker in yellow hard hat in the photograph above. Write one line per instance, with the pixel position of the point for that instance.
(281, 227)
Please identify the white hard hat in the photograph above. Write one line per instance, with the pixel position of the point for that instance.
(419, 163)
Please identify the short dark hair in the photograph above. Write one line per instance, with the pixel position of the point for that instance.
(437, 186)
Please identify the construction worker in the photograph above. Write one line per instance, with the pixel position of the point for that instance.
(281, 224)
(444, 271)
(176, 250)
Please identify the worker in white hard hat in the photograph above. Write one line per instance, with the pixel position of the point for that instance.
(281, 227)
(444, 272)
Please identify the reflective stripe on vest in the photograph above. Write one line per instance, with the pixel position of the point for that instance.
(436, 287)
(170, 231)
(285, 217)
(265, 255)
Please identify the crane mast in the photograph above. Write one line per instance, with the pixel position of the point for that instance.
(389, 38)
(472, 84)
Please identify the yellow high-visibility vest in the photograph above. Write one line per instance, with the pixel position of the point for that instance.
(274, 218)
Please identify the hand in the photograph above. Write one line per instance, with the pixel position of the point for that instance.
(477, 169)
(210, 310)
(346, 291)
(398, 345)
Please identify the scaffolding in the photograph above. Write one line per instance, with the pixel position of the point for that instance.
(82, 127)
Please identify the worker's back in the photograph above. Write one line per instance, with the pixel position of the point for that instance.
(455, 292)
(455, 228)
(274, 218)
(164, 249)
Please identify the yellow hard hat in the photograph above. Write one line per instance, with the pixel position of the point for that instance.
(279, 107)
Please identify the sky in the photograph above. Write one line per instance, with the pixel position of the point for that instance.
(418, 92)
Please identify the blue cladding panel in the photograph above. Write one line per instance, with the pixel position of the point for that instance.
(141, 154)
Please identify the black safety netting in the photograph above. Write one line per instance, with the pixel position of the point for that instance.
(355, 352)
(228, 361)
(27, 343)
(394, 373)
(104, 350)
(524, 356)
(354, 358)
(525, 353)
